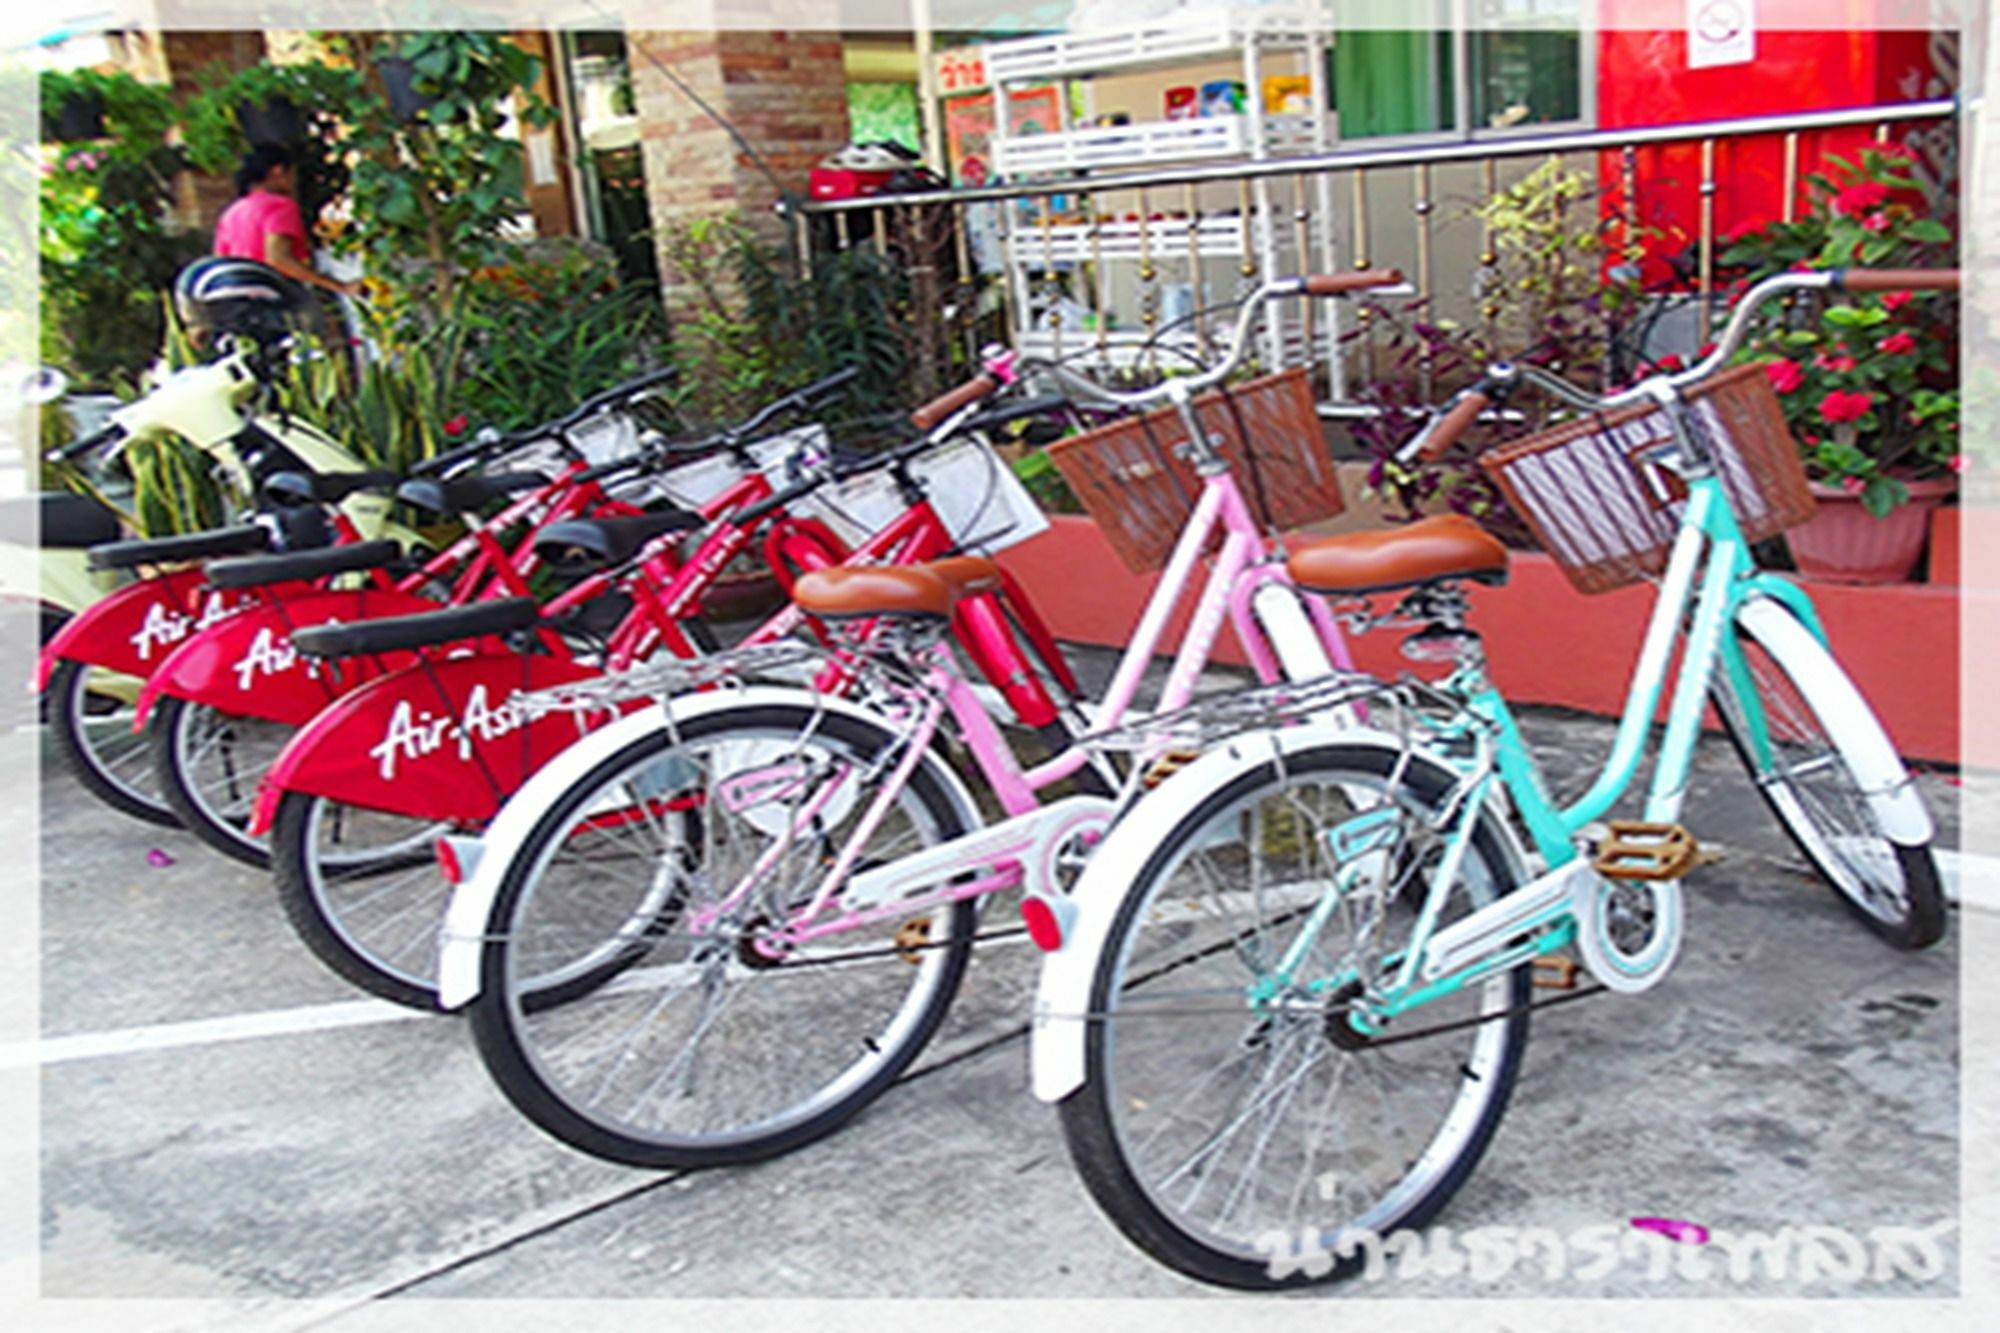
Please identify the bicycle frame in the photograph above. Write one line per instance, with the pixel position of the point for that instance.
(244, 664)
(1711, 568)
(1023, 848)
(375, 747)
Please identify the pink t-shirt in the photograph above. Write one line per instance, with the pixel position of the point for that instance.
(240, 231)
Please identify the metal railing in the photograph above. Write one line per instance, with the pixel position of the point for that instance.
(1084, 264)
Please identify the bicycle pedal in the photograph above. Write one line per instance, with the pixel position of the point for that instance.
(1563, 973)
(1168, 764)
(1632, 849)
(911, 937)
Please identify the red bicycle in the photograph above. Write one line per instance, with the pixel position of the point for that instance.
(222, 706)
(359, 797)
(96, 664)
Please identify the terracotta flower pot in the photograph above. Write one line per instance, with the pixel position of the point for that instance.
(1844, 543)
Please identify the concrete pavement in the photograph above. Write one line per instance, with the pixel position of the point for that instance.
(1792, 1071)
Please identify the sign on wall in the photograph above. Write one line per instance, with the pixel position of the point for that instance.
(1721, 32)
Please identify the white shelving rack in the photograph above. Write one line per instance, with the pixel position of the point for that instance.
(1296, 29)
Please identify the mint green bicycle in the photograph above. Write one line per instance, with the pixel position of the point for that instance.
(1291, 1010)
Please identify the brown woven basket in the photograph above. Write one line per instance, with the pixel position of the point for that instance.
(1609, 519)
(1130, 476)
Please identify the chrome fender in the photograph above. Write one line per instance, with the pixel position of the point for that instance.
(1062, 997)
(1892, 794)
(466, 920)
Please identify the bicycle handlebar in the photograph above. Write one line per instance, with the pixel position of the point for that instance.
(97, 439)
(1500, 378)
(1339, 284)
(734, 438)
(929, 415)
(1318, 284)
(1444, 430)
(493, 442)
(1895, 279)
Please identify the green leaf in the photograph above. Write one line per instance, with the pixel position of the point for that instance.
(1882, 494)
(1928, 230)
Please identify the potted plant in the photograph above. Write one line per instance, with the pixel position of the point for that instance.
(1869, 386)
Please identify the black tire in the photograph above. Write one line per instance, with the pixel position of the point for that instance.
(502, 1014)
(1908, 913)
(1089, 1114)
(394, 956)
(186, 737)
(115, 766)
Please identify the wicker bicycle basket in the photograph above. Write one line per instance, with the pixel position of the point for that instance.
(1609, 517)
(1131, 477)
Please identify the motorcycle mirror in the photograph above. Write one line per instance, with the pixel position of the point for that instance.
(46, 385)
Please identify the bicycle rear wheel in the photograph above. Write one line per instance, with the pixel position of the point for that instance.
(1232, 1123)
(704, 1050)
(1807, 736)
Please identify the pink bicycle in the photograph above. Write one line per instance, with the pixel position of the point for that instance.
(783, 880)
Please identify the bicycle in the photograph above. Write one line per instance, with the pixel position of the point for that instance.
(356, 799)
(91, 669)
(218, 708)
(1295, 1002)
(789, 877)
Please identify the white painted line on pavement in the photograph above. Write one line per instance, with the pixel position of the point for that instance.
(203, 1032)
(1970, 879)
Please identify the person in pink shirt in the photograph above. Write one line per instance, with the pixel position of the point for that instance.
(265, 223)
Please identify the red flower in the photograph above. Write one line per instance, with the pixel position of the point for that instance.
(1875, 222)
(1897, 344)
(1703, 350)
(1957, 463)
(1860, 197)
(1895, 301)
(1853, 485)
(456, 426)
(1901, 150)
(1845, 405)
(1670, 364)
(1839, 365)
(1785, 375)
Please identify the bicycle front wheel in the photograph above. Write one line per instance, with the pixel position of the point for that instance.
(1829, 772)
(362, 891)
(95, 740)
(630, 1002)
(209, 765)
(1233, 1123)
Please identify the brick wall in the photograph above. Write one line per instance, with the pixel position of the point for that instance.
(786, 93)
(200, 199)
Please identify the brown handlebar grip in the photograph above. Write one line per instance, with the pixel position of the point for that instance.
(1336, 284)
(1453, 423)
(1899, 279)
(942, 406)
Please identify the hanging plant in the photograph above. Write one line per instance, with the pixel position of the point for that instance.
(399, 82)
(304, 108)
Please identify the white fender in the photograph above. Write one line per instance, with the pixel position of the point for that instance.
(1056, 1052)
(1892, 795)
(466, 922)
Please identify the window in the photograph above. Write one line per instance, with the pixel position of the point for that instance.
(1525, 62)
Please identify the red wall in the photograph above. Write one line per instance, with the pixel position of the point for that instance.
(1643, 79)
(1548, 644)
